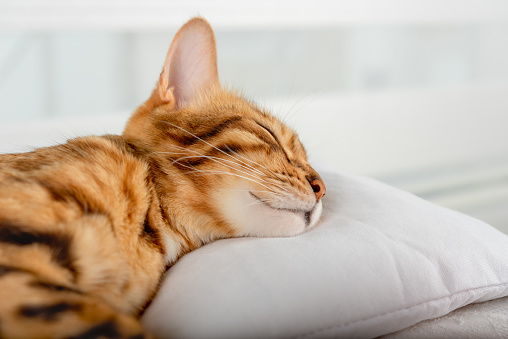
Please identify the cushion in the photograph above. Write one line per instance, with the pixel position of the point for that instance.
(379, 261)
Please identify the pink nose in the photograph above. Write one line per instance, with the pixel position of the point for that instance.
(319, 188)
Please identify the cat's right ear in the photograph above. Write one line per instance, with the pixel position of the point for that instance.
(191, 64)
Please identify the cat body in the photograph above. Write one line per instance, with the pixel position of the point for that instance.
(87, 228)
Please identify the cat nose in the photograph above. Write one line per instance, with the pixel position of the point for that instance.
(319, 188)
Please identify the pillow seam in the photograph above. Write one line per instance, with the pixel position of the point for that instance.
(403, 309)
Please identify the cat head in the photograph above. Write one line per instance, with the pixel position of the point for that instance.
(222, 166)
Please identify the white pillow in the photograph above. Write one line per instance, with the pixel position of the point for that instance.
(381, 260)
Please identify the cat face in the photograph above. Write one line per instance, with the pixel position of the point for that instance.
(223, 166)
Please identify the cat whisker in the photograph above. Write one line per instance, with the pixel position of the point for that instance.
(160, 152)
(307, 97)
(238, 164)
(253, 168)
(259, 201)
(222, 172)
(198, 138)
(238, 155)
(204, 141)
(251, 190)
(219, 160)
(209, 172)
(281, 187)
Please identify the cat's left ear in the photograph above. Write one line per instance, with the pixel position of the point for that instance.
(191, 64)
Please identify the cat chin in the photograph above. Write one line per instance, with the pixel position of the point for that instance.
(315, 215)
(251, 217)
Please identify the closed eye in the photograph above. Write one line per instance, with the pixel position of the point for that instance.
(274, 136)
(269, 130)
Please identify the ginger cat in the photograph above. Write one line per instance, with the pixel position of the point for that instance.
(88, 228)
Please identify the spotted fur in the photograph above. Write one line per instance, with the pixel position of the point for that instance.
(87, 228)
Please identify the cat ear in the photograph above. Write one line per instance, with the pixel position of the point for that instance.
(191, 63)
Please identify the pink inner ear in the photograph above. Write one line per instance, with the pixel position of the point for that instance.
(191, 64)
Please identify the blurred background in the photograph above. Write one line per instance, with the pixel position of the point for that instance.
(414, 93)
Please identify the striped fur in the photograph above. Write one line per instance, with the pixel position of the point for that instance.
(87, 228)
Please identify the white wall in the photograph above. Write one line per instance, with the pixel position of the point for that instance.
(78, 72)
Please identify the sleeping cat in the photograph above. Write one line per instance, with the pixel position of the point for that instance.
(87, 228)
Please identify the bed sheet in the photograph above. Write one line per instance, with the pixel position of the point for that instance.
(487, 320)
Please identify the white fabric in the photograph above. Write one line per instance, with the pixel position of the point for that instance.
(487, 320)
(380, 261)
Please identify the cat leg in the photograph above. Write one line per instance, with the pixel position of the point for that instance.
(31, 307)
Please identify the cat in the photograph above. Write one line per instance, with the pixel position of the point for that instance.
(88, 228)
